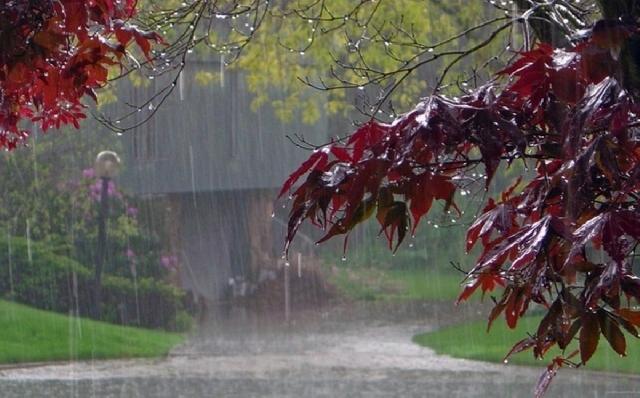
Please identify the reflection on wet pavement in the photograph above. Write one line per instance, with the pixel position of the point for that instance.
(347, 352)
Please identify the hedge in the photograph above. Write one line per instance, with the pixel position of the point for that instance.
(30, 273)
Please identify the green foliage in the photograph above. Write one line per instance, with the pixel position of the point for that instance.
(422, 271)
(369, 284)
(184, 322)
(49, 194)
(437, 245)
(37, 182)
(32, 274)
(308, 50)
(309, 40)
(31, 335)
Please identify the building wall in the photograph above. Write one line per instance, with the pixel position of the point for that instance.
(224, 235)
(207, 138)
(218, 165)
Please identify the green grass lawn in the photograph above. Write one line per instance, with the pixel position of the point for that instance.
(31, 335)
(473, 342)
(362, 283)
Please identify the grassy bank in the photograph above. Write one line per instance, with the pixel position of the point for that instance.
(362, 283)
(31, 335)
(473, 342)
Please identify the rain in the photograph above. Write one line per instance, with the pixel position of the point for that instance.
(164, 269)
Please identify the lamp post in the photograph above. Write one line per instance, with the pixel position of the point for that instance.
(106, 167)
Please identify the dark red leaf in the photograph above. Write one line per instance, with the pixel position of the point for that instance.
(424, 190)
(468, 290)
(316, 161)
(498, 308)
(486, 280)
(366, 137)
(629, 327)
(520, 346)
(499, 218)
(630, 315)
(395, 221)
(524, 245)
(53, 54)
(589, 336)
(566, 339)
(340, 153)
(545, 380)
(568, 113)
(612, 333)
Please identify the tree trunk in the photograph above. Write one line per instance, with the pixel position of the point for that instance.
(614, 9)
(545, 30)
(630, 54)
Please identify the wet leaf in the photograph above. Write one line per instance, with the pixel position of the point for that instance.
(53, 54)
(589, 336)
(316, 161)
(394, 221)
(563, 235)
(520, 346)
(611, 331)
(499, 218)
(629, 315)
(568, 337)
(545, 380)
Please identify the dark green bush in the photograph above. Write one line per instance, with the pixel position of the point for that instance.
(30, 273)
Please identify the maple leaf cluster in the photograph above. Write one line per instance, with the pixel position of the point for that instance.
(563, 239)
(55, 52)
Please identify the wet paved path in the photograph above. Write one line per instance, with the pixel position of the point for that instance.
(346, 353)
